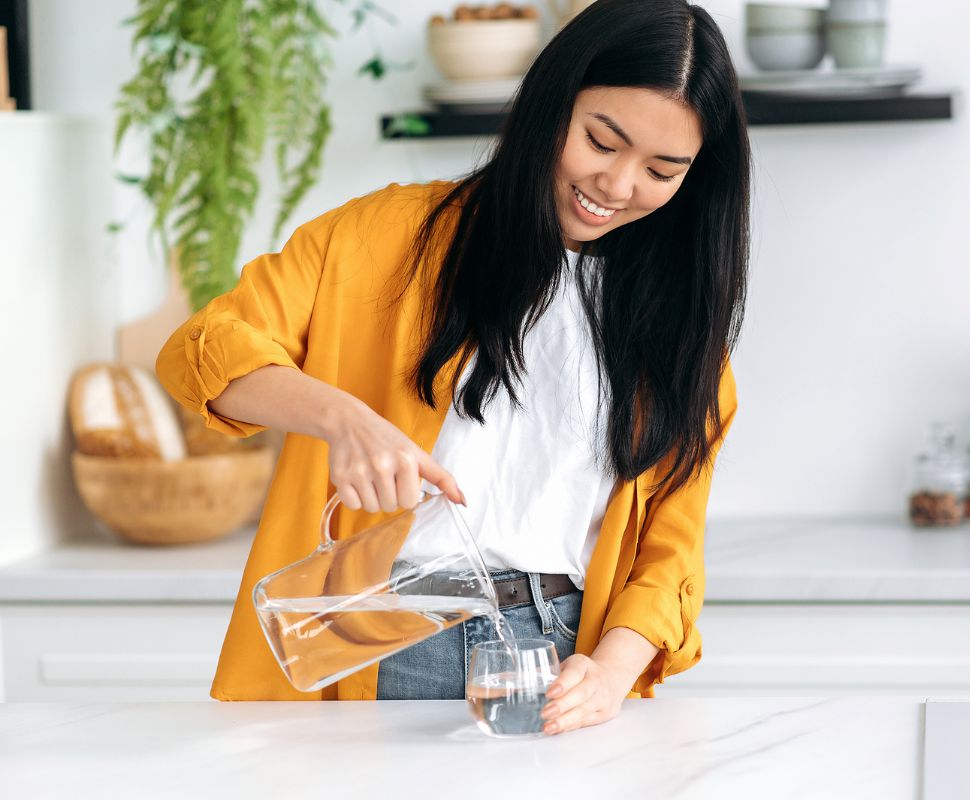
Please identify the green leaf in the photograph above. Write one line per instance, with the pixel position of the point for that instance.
(379, 11)
(407, 125)
(191, 50)
(124, 122)
(375, 68)
(161, 43)
(136, 180)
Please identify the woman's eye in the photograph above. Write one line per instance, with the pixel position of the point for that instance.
(596, 145)
(602, 148)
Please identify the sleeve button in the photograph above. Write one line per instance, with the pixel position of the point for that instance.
(195, 333)
(689, 589)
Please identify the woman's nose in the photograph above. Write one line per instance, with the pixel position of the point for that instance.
(616, 187)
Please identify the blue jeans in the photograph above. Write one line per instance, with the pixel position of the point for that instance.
(436, 668)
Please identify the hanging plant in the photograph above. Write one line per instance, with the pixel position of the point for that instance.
(215, 82)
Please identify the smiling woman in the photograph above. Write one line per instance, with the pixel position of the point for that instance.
(606, 179)
(546, 340)
(627, 141)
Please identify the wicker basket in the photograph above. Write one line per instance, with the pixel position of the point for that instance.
(172, 502)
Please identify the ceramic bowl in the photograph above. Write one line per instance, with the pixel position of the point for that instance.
(483, 49)
(786, 50)
(855, 46)
(857, 11)
(774, 17)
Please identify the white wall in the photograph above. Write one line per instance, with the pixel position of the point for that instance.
(858, 323)
(58, 312)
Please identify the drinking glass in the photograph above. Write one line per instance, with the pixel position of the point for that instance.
(507, 684)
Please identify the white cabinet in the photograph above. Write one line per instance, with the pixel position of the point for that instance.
(99, 620)
(148, 652)
(98, 653)
(793, 608)
(755, 649)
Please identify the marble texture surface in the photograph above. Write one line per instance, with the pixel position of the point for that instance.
(769, 560)
(811, 560)
(792, 748)
(107, 570)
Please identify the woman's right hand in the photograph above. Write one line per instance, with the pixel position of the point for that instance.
(374, 465)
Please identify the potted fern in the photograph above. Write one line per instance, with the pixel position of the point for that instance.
(215, 83)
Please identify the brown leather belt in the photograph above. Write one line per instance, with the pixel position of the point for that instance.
(510, 591)
(513, 591)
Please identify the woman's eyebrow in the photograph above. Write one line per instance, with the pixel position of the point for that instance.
(610, 123)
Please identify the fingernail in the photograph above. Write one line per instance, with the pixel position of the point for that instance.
(464, 502)
(555, 691)
(551, 727)
(549, 711)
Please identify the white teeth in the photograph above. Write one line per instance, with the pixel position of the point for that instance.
(591, 206)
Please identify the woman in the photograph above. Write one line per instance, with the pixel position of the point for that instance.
(552, 331)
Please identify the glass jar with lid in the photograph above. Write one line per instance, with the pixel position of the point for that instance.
(939, 495)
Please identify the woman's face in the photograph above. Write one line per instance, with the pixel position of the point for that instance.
(627, 152)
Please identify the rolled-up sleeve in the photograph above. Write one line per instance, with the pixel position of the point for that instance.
(264, 320)
(665, 591)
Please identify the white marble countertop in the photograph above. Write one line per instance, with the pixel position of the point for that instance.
(821, 560)
(109, 570)
(766, 561)
(676, 749)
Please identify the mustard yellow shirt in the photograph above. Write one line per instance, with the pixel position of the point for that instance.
(322, 306)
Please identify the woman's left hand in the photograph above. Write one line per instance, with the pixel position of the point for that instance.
(585, 693)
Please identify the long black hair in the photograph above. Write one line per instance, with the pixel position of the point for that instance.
(666, 303)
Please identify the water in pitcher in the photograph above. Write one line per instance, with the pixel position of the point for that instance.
(319, 640)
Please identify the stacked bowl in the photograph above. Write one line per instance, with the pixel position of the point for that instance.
(485, 46)
(856, 31)
(785, 37)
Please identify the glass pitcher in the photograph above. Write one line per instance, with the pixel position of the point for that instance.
(360, 599)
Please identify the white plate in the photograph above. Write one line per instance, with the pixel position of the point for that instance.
(832, 81)
(471, 93)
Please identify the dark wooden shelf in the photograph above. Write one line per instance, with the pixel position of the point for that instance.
(762, 108)
(776, 109)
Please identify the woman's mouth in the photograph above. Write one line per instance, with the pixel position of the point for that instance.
(588, 211)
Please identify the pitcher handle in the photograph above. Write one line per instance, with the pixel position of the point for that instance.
(328, 510)
(325, 539)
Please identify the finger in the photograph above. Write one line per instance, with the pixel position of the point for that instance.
(434, 473)
(386, 491)
(408, 483)
(348, 496)
(579, 717)
(571, 673)
(574, 698)
(368, 497)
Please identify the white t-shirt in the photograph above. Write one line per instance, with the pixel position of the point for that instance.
(536, 492)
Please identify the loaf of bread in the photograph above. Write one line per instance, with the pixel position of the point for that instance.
(122, 412)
